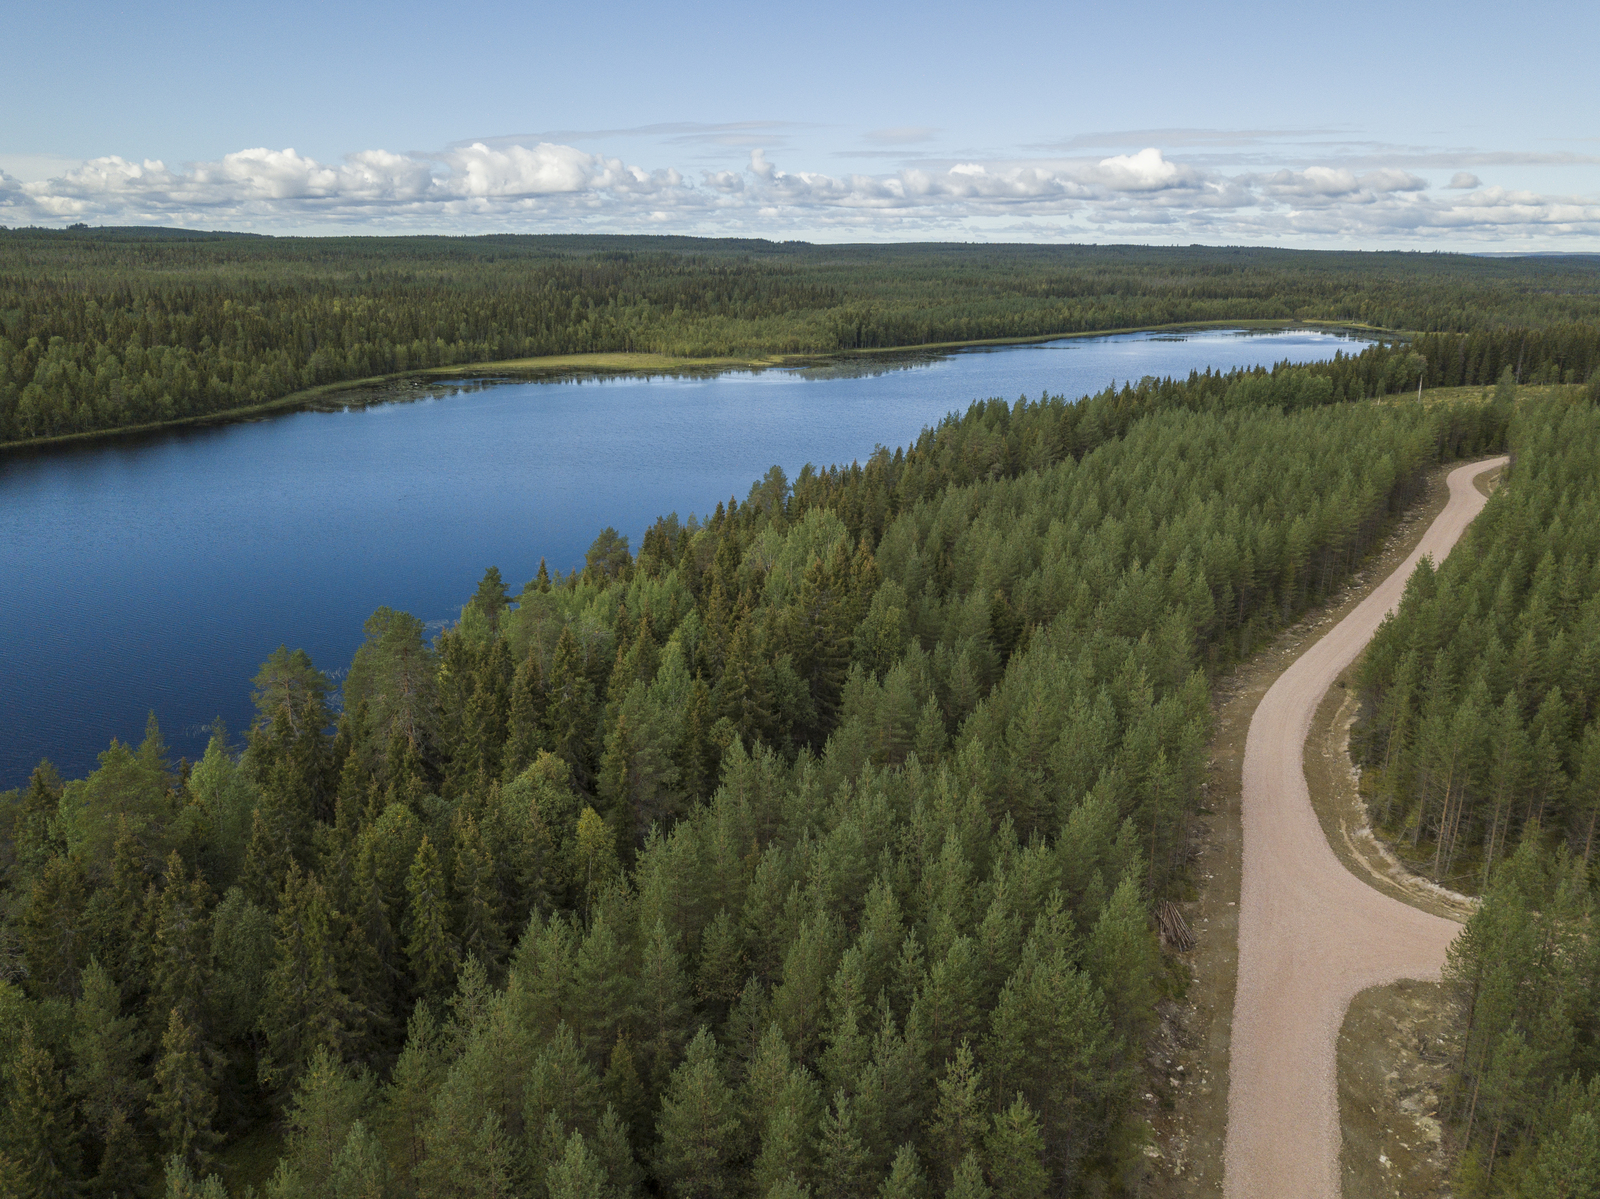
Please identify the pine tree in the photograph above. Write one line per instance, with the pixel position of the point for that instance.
(662, 1000)
(968, 1181)
(182, 1103)
(1014, 1149)
(698, 1126)
(430, 949)
(958, 1121)
(328, 1102)
(603, 990)
(408, 1099)
(843, 1163)
(578, 1174)
(611, 1147)
(905, 1180)
(1123, 958)
(361, 1169)
(785, 1154)
(1568, 1162)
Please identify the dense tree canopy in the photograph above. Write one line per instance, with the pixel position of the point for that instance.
(1481, 736)
(106, 328)
(807, 851)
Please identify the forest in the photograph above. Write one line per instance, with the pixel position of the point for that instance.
(102, 329)
(807, 851)
(1482, 736)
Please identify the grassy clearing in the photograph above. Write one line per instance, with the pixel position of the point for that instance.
(1454, 395)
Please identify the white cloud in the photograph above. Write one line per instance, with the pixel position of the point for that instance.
(504, 184)
(1148, 170)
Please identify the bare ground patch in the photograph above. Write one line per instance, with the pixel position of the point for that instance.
(1394, 1058)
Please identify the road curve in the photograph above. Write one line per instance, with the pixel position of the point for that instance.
(1311, 934)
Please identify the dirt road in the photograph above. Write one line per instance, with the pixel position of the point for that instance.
(1312, 935)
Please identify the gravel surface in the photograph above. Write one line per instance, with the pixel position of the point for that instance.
(1311, 934)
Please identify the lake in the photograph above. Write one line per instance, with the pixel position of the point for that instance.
(156, 572)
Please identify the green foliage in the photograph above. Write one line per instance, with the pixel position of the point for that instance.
(103, 329)
(806, 853)
(1483, 692)
(39, 1127)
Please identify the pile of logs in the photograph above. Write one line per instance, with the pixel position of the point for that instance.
(1174, 931)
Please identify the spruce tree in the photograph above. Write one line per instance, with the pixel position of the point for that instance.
(525, 723)
(475, 896)
(53, 930)
(39, 1125)
(124, 1169)
(107, 1076)
(182, 1102)
(430, 949)
(304, 1005)
(569, 713)
(180, 943)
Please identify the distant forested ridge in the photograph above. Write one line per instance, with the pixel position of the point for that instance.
(1481, 733)
(103, 329)
(806, 852)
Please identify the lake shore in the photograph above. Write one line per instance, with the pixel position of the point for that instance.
(577, 366)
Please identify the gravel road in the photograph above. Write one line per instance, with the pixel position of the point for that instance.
(1311, 934)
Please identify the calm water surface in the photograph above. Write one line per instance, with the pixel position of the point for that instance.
(157, 573)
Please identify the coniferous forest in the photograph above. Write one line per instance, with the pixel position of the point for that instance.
(1483, 736)
(103, 329)
(808, 850)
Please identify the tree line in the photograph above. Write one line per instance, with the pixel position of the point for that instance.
(1481, 730)
(806, 852)
(105, 329)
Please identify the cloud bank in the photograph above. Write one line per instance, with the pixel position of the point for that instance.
(506, 184)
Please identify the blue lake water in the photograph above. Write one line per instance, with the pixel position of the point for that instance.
(155, 573)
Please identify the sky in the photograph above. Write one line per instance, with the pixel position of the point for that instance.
(1451, 126)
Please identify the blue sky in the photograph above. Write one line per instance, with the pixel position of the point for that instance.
(1450, 126)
